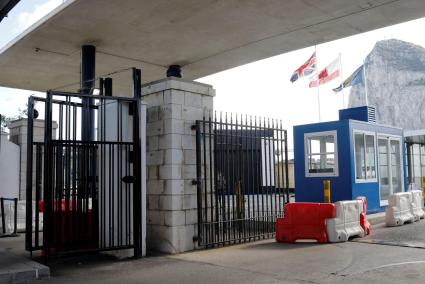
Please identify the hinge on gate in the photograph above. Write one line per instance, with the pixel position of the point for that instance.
(193, 127)
(128, 179)
(195, 182)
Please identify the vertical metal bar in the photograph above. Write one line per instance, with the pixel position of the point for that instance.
(249, 153)
(119, 169)
(215, 187)
(232, 187)
(227, 180)
(67, 167)
(103, 171)
(205, 180)
(238, 182)
(113, 190)
(257, 137)
(101, 86)
(241, 159)
(223, 170)
(211, 164)
(38, 183)
(279, 166)
(15, 221)
(48, 221)
(137, 187)
(3, 221)
(266, 176)
(282, 147)
(286, 167)
(272, 175)
(409, 162)
(199, 181)
(28, 211)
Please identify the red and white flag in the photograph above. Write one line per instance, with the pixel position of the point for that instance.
(331, 72)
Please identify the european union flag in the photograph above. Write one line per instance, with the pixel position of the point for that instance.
(354, 79)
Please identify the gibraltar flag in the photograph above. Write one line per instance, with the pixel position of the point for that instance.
(328, 74)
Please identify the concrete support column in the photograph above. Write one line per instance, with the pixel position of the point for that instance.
(173, 106)
(18, 130)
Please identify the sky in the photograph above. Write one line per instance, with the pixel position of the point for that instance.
(261, 88)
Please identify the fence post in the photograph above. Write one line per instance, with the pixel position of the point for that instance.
(28, 203)
(3, 222)
(423, 187)
(199, 177)
(15, 230)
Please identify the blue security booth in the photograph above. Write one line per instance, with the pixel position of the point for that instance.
(358, 156)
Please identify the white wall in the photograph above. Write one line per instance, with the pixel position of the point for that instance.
(9, 168)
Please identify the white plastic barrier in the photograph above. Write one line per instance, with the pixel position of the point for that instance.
(417, 203)
(346, 224)
(399, 210)
(21, 217)
(8, 219)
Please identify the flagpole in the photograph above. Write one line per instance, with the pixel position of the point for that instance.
(318, 91)
(342, 82)
(365, 83)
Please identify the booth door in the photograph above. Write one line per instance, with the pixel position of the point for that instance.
(390, 167)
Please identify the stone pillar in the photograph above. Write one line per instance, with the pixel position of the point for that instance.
(18, 135)
(173, 106)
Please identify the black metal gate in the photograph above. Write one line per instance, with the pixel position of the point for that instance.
(242, 178)
(83, 194)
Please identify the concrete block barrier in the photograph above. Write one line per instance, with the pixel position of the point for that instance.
(399, 210)
(417, 204)
(346, 224)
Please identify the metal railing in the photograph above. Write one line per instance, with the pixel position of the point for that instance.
(86, 184)
(242, 178)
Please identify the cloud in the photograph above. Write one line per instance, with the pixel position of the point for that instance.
(26, 19)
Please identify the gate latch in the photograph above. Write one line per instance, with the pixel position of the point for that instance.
(128, 179)
(195, 182)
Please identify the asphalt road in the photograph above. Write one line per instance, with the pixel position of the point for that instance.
(265, 262)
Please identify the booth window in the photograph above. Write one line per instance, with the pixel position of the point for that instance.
(321, 154)
(365, 160)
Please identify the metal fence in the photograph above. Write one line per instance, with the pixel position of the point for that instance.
(242, 178)
(415, 166)
(84, 175)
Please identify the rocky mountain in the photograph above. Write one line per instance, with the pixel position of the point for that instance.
(395, 72)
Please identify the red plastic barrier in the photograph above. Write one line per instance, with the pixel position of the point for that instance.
(304, 220)
(364, 223)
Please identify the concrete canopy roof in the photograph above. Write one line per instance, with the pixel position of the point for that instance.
(204, 36)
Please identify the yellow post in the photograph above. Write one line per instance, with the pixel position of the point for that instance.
(327, 190)
(423, 187)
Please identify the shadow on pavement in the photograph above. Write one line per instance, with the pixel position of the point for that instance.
(273, 245)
